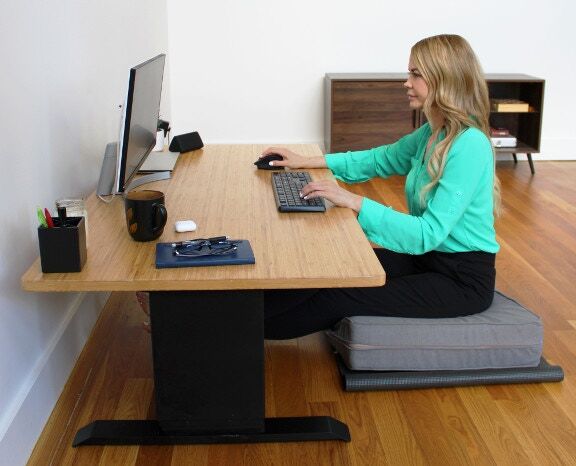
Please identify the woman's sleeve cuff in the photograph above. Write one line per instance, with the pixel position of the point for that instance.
(335, 162)
(370, 218)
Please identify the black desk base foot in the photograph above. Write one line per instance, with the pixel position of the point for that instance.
(279, 429)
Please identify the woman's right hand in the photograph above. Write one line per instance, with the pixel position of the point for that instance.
(291, 159)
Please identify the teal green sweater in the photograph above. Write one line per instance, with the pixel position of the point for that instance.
(458, 215)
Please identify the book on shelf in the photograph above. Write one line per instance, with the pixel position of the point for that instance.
(495, 132)
(509, 105)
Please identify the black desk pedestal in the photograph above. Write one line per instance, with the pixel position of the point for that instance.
(208, 354)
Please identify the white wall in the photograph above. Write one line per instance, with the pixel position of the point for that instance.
(64, 71)
(252, 71)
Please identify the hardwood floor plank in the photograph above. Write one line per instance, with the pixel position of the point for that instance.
(135, 399)
(154, 455)
(499, 439)
(564, 396)
(517, 277)
(396, 436)
(330, 453)
(531, 417)
(319, 386)
(184, 455)
(114, 456)
(366, 445)
(288, 385)
(443, 428)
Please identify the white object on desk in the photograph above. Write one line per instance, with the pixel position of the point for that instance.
(185, 225)
(159, 141)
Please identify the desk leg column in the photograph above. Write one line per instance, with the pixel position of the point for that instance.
(208, 351)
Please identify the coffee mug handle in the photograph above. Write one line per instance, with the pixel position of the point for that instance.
(160, 217)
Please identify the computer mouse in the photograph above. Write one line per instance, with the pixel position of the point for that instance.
(185, 225)
(263, 163)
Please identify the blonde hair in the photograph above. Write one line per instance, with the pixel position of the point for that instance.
(457, 90)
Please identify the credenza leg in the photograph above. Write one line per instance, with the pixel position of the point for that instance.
(531, 163)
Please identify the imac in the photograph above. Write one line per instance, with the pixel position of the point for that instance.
(137, 131)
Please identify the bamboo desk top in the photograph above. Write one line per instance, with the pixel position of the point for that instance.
(223, 192)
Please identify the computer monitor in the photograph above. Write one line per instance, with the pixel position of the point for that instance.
(138, 129)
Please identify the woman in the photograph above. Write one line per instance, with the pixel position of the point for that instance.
(439, 258)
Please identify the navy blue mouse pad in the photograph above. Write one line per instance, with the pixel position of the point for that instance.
(165, 257)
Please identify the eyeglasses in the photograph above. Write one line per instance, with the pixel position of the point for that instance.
(205, 247)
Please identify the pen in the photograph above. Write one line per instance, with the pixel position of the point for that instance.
(191, 242)
(49, 220)
(41, 218)
(62, 215)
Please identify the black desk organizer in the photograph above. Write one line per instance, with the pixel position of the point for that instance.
(63, 248)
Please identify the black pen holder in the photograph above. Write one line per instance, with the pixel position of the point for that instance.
(63, 247)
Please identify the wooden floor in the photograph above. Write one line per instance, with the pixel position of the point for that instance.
(501, 425)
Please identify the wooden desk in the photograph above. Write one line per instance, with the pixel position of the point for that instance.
(207, 323)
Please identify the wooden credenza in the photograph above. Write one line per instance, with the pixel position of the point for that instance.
(364, 110)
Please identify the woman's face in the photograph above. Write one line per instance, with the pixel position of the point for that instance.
(416, 87)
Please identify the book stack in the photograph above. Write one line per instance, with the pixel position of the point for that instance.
(501, 137)
(509, 105)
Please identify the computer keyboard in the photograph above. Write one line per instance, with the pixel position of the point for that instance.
(287, 186)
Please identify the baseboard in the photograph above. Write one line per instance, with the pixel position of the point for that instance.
(537, 157)
(550, 149)
(39, 394)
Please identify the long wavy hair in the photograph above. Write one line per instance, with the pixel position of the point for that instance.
(457, 90)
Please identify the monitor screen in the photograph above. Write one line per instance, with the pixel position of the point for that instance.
(140, 119)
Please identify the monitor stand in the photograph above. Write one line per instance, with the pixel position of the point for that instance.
(157, 176)
(108, 171)
(106, 183)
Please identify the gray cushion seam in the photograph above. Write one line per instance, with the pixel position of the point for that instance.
(466, 324)
(359, 347)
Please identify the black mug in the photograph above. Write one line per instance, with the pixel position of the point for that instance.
(145, 214)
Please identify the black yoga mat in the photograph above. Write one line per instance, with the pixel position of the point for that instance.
(395, 380)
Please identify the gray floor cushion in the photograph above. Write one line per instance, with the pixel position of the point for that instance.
(506, 335)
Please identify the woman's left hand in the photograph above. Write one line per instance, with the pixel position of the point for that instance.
(331, 191)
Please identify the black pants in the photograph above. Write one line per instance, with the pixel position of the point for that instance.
(431, 285)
